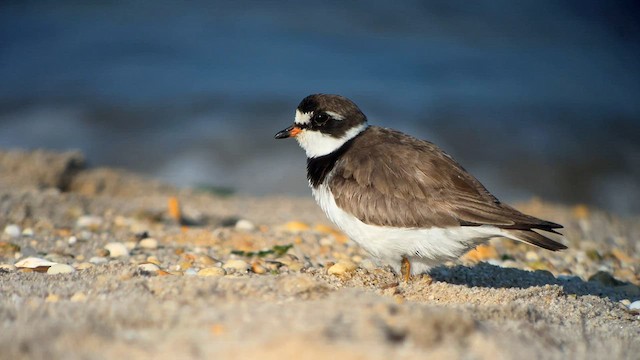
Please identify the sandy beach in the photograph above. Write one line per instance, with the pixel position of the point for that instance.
(98, 263)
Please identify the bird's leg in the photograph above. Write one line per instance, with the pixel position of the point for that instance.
(405, 269)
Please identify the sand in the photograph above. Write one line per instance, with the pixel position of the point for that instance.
(505, 301)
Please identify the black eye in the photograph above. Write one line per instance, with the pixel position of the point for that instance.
(320, 119)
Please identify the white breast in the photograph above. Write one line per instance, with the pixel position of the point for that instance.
(424, 248)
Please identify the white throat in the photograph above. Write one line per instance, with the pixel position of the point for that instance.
(317, 144)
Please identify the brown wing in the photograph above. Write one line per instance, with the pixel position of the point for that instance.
(412, 183)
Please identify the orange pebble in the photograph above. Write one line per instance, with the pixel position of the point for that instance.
(174, 209)
(482, 252)
(217, 329)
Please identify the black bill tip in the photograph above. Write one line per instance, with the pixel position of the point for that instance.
(285, 133)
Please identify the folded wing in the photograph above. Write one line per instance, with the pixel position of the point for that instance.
(406, 182)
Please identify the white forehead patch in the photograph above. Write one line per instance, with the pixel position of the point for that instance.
(303, 118)
(335, 115)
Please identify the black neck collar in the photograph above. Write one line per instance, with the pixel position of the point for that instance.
(319, 167)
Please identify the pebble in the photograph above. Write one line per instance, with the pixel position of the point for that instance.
(191, 272)
(511, 264)
(56, 258)
(148, 268)
(622, 256)
(206, 260)
(7, 268)
(117, 249)
(102, 252)
(240, 266)
(184, 265)
(28, 232)
(217, 329)
(97, 260)
(367, 264)
(60, 269)
(272, 265)
(212, 271)
(174, 209)
(291, 262)
(8, 249)
(89, 222)
(72, 240)
(148, 243)
(245, 225)
(481, 253)
(538, 265)
(296, 226)
(321, 228)
(122, 221)
(593, 255)
(532, 256)
(78, 297)
(153, 260)
(581, 211)
(342, 267)
(635, 306)
(51, 298)
(625, 274)
(257, 268)
(84, 235)
(138, 258)
(34, 262)
(494, 262)
(84, 266)
(13, 230)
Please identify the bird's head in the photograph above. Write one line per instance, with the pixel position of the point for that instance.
(323, 123)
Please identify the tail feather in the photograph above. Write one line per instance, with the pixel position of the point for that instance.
(534, 238)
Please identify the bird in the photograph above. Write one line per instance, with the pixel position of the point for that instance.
(405, 201)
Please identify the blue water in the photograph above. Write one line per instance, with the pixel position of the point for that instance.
(533, 97)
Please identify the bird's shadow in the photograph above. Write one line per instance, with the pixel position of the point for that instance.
(491, 276)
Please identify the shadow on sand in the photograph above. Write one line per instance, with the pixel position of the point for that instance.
(491, 276)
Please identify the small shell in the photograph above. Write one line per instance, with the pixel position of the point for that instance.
(34, 262)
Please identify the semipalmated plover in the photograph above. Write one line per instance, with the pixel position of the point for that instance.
(405, 201)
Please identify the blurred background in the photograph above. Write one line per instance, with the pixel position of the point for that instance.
(533, 97)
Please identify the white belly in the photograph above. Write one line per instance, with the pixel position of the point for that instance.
(424, 248)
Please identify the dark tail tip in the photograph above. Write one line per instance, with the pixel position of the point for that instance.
(533, 238)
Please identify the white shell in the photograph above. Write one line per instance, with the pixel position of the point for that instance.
(117, 249)
(60, 269)
(33, 262)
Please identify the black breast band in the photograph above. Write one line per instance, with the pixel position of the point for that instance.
(319, 167)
